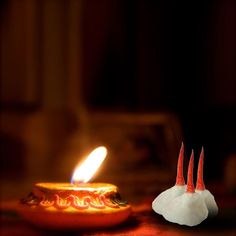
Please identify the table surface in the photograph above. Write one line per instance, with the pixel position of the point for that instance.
(143, 222)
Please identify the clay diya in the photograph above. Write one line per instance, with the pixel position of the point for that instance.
(77, 204)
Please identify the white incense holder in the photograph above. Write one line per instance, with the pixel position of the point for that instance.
(183, 204)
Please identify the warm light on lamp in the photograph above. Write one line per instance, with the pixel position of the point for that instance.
(85, 171)
(77, 204)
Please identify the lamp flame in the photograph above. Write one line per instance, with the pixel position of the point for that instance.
(84, 172)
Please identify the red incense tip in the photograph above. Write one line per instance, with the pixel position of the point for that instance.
(180, 176)
(190, 185)
(200, 181)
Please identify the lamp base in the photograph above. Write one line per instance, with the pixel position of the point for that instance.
(67, 206)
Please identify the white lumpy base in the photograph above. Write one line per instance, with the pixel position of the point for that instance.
(188, 209)
(210, 202)
(163, 199)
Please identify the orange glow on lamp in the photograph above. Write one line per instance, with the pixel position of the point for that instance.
(77, 204)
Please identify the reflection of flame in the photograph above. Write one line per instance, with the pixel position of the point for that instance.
(85, 171)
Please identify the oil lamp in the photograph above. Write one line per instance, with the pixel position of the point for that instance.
(77, 204)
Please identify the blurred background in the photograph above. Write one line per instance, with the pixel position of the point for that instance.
(136, 76)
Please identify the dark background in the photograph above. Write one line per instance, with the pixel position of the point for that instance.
(62, 58)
